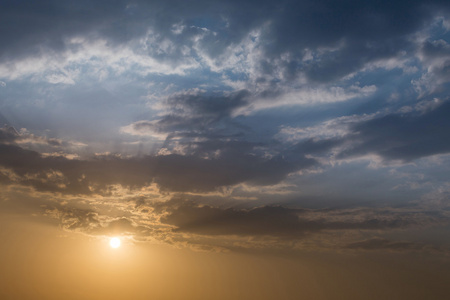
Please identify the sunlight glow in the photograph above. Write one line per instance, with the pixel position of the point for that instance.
(114, 242)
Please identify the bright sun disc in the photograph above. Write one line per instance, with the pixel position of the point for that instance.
(114, 242)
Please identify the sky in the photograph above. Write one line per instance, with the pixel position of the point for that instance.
(239, 149)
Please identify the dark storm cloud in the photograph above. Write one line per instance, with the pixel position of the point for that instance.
(403, 137)
(274, 220)
(360, 31)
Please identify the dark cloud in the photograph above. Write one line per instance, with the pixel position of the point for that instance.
(212, 105)
(220, 161)
(171, 172)
(181, 173)
(437, 59)
(312, 146)
(439, 48)
(59, 174)
(8, 134)
(351, 58)
(27, 26)
(30, 25)
(197, 114)
(360, 31)
(187, 222)
(271, 220)
(403, 137)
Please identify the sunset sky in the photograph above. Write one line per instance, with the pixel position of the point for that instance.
(238, 149)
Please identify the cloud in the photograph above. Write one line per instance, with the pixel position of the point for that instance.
(186, 223)
(59, 174)
(193, 114)
(117, 226)
(96, 59)
(92, 223)
(145, 128)
(438, 48)
(435, 58)
(202, 90)
(335, 128)
(171, 172)
(183, 173)
(282, 222)
(341, 39)
(8, 134)
(410, 133)
(311, 146)
(402, 137)
(75, 219)
(218, 159)
(302, 96)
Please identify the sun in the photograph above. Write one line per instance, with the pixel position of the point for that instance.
(114, 242)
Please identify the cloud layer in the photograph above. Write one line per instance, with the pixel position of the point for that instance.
(288, 121)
